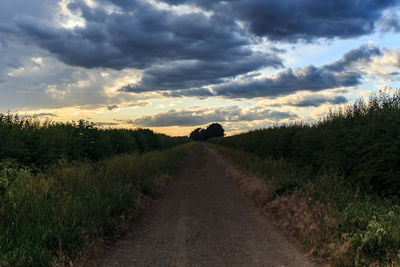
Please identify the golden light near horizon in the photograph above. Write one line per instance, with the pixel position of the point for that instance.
(103, 61)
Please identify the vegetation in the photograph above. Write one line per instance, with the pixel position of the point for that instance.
(339, 177)
(360, 142)
(336, 220)
(41, 144)
(213, 130)
(47, 218)
(62, 185)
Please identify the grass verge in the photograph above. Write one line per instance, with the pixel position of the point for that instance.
(48, 218)
(336, 220)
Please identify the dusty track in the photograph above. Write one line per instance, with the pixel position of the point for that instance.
(202, 220)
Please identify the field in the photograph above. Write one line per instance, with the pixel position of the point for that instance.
(340, 174)
(62, 186)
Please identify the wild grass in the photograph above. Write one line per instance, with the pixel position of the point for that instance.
(348, 165)
(360, 141)
(336, 220)
(51, 216)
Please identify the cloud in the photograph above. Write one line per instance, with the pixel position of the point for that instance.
(207, 115)
(112, 107)
(197, 73)
(33, 79)
(11, 8)
(176, 50)
(45, 115)
(130, 37)
(197, 92)
(317, 100)
(385, 67)
(390, 21)
(361, 55)
(104, 124)
(341, 73)
(309, 78)
(307, 20)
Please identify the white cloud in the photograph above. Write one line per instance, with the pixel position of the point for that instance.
(387, 66)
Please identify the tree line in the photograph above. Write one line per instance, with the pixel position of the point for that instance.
(361, 142)
(212, 130)
(39, 144)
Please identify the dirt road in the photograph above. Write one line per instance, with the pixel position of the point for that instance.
(203, 220)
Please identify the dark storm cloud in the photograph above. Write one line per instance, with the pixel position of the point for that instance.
(341, 73)
(189, 75)
(5, 28)
(195, 53)
(292, 20)
(288, 82)
(309, 19)
(139, 37)
(12, 8)
(205, 116)
(192, 74)
(317, 100)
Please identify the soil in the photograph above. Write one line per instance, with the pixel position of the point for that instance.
(202, 219)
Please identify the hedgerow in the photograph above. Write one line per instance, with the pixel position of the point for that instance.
(40, 144)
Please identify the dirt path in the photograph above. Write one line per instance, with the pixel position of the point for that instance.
(203, 220)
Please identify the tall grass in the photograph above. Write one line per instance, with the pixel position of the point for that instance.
(40, 144)
(335, 219)
(53, 215)
(349, 163)
(361, 141)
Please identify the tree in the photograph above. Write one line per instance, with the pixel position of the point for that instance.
(215, 130)
(197, 135)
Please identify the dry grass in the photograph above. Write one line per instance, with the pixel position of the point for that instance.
(335, 221)
(296, 214)
(306, 219)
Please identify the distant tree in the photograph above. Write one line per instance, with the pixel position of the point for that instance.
(197, 135)
(203, 135)
(215, 130)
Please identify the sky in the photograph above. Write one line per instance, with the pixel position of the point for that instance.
(175, 65)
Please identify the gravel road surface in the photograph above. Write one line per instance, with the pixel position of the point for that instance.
(202, 219)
